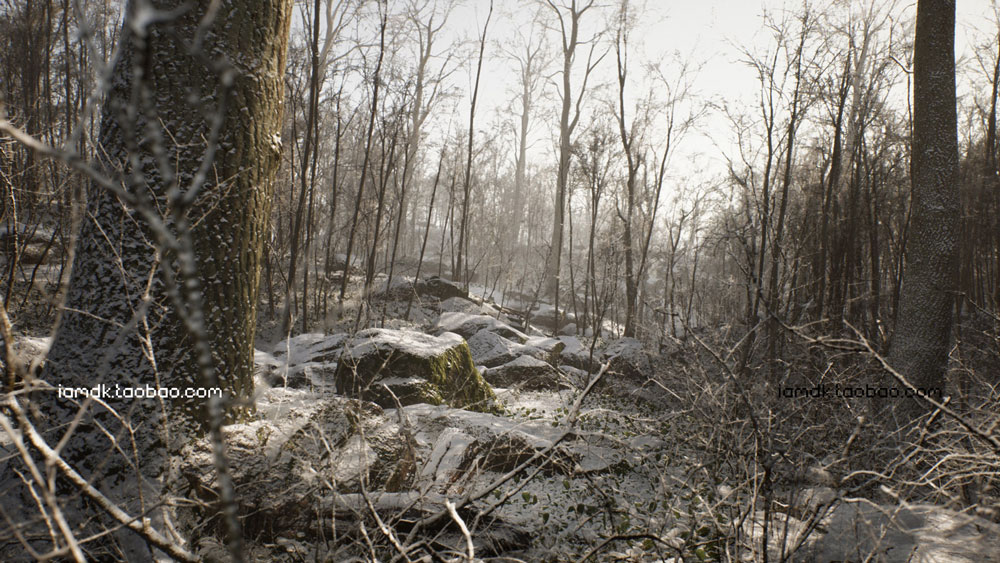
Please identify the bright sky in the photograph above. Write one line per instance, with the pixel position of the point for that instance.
(706, 31)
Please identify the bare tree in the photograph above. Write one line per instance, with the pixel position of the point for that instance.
(530, 56)
(376, 82)
(568, 17)
(458, 272)
(426, 92)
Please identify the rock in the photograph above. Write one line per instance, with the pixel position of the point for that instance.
(305, 375)
(310, 347)
(550, 348)
(467, 325)
(544, 315)
(465, 305)
(280, 464)
(29, 349)
(386, 366)
(464, 441)
(439, 288)
(628, 358)
(575, 354)
(491, 350)
(490, 442)
(525, 372)
(301, 361)
(858, 531)
(504, 452)
(568, 330)
(576, 376)
(447, 456)
(400, 288)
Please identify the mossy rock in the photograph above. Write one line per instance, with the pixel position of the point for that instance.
(402, 367)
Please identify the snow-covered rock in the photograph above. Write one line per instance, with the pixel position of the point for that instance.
(467, 325)
(628, 358)
(859, 530)
(490, 349)
(525, 372)
(29, 349)
(551, 347)
(544, 315)
(408, 367)
(301, 361)
(439, 288)
(464, 305)
(576, 354)
(284, 466)
(456, 439)
(310, 347)
(576, 376)
(398, 288)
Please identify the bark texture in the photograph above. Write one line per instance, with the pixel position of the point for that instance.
(191, 126)
(922, 337)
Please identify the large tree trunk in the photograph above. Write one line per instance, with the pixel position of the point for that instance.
(923, 327)
(163, 292)
(213, 200)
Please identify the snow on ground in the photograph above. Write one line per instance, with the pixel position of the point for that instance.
(621, 466)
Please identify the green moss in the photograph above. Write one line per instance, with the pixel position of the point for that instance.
(387, 375)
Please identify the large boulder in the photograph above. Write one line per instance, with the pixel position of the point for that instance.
(457, 442)
(467, 440)
(545, 348)
(310, 347)
(439, 288)
(307, 465)
(576, 354)
(289, 463)
(525, 372)
(544, 316)
(627, 358)
(399, 288)
(576, 376)
(491, 350)
(391, 367)
(300, 361)
(467, 325)
(466, 305)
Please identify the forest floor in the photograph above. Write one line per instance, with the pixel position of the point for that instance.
(665, 467)
(658, 462)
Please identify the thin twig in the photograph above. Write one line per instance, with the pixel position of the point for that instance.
(141, 527)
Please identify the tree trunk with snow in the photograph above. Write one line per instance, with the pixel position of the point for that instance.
(164, 285)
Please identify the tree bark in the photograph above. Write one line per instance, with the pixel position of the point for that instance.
(163, 292)
(923, 326)
(214, 201)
